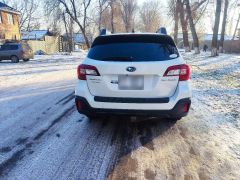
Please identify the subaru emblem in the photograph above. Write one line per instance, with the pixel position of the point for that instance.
(131, 69)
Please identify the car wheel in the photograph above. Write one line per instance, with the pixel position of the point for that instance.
(174, 119)
(14, 59)
(93, 116)
(25, 60)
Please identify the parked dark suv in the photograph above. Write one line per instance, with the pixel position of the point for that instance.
(16, 52)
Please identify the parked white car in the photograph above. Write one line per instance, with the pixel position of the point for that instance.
(135, 75)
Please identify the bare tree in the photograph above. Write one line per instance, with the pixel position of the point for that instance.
(216, 28)
(192, 27)
(236, 27)
(29, 13)
(184, 25)
(175, 5)
(223, 26)
(111, 3)
(112, 18)
(69, 34)
(150, 16)
(128, 10)
(178, 10)
(77, 10)
(102, 6)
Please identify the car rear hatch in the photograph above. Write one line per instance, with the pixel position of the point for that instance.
(132, 66)
(27, 51)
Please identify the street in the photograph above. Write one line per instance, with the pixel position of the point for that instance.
(42, 136)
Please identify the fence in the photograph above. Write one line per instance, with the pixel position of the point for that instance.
(49, 45)
(230, 46)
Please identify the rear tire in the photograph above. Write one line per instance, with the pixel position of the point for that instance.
(93, 116)
(25, 60)
(175, 119)
(14, 59)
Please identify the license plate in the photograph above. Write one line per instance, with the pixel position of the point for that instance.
(130, 82)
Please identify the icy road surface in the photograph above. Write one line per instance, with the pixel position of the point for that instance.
(42, 136)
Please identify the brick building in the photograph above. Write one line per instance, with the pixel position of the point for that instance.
(9, 23)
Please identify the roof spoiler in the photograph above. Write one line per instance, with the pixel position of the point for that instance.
(162, 30)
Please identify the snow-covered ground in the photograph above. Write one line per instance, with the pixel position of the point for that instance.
(43, 137)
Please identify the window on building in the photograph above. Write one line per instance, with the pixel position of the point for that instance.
(2, 35)
(14, 37)
(10, 19)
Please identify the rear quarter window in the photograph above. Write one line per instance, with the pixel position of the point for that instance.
(9, 47)
(132, 48)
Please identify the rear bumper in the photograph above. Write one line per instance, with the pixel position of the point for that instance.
(179, 110)
(28, 56)
(183, 91)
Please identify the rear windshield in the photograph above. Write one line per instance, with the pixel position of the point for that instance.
(133, 49)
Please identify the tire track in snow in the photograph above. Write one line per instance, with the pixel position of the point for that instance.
(9, 163)
(66, 99)
(64, 114)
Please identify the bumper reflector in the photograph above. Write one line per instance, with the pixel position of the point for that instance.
(79, 105)
(186, 107)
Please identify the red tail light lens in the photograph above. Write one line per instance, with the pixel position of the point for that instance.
(185, 107)
(79, 105)
(84, 70)
(22, 52)
(183, 71)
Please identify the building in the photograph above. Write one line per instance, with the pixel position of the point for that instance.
(42, 41)
(9, 23)
(77, 42)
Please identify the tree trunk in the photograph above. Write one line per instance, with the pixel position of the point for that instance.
(215, 29)
(112, 17)
(176, 22)
(100, 21)
(192, 27)
(66, 30)
(71, 41)
(184, 28)
(235, 31)
(223, 26)
(84, 34)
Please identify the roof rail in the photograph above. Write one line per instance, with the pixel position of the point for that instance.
(162, 30)
(104, 32)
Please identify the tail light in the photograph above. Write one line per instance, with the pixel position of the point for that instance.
(183, 71)
(22, 52)
(84, 70)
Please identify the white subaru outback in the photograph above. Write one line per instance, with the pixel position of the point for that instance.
(135, 75)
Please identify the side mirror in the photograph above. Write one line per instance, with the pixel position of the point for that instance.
(173, 56)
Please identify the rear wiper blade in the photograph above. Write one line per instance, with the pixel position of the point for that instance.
(126, 58)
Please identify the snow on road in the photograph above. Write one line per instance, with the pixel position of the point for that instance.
(43, 137)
